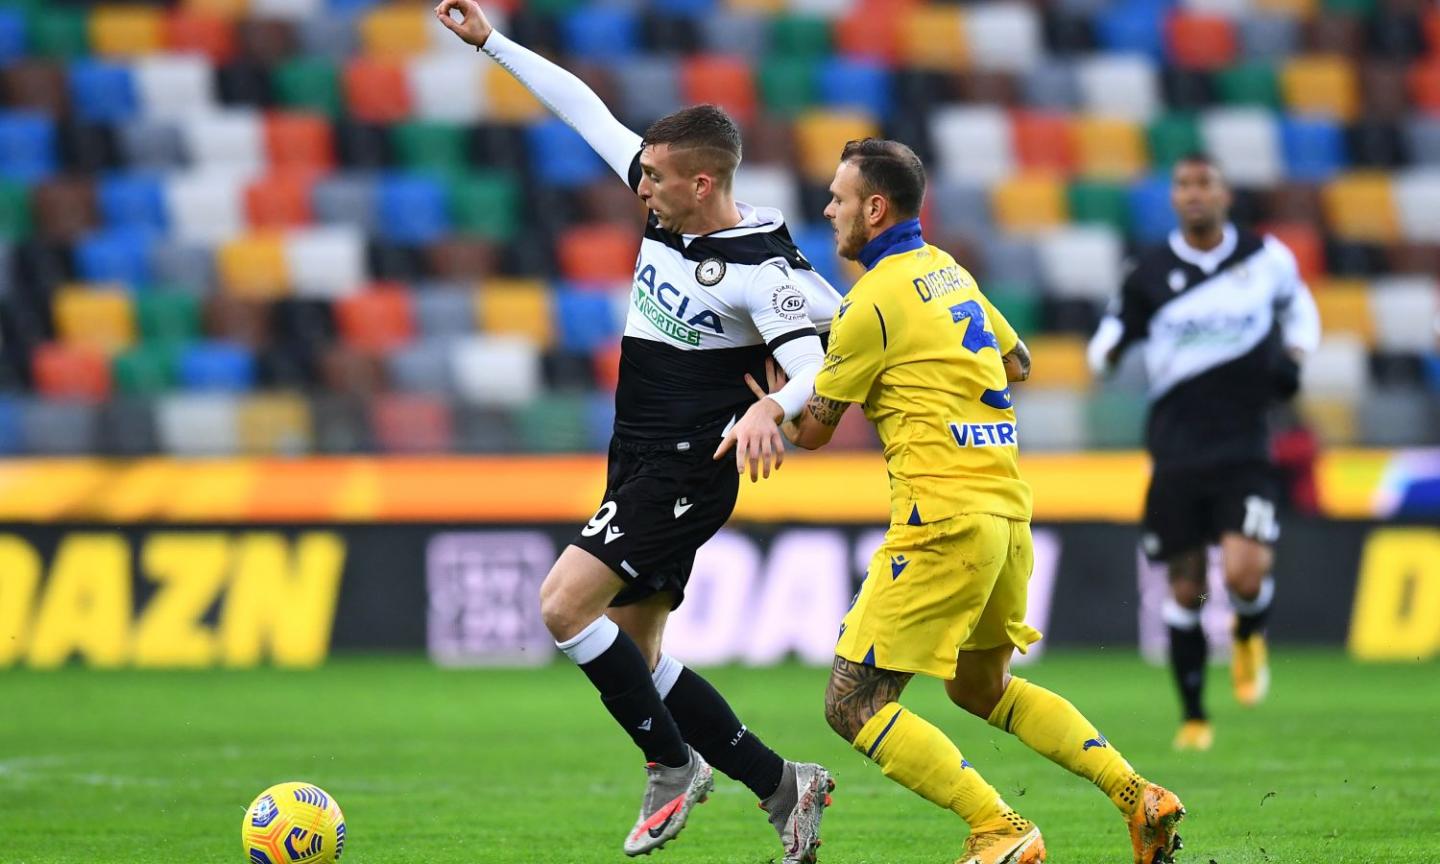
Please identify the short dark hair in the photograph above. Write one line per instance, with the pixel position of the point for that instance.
(891, 169)
(707, 132)
(1198, 157)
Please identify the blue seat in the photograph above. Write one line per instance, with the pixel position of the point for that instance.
(217, 366)
(858, 84)
(561, 157)
(689, 8)
(27, 146)
(132, 200)
(599, 420)
(1151, 216)
(351, 5)
(117, 255)
(12, 438)
(584, 319)
(1314, 148)
(600, 33)
(12, 35)
(1133, 27)
(817, 243)
(412, 209)
(103, 92)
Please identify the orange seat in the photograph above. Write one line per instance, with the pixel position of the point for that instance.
(412, 423)
(597, 253)
(1043, 141)
(100, 318)
(192, 31)
(517, 306)
(71, 372)
(821, 135)
(1064, 366)
(1344, 306)
(376, 90)
(606, 364)
(1198, 41)
(1361, 206)
(1305, 242)
(225, 8)
(1300, 9)
(933, 37)
(295, 139)
(126, 30)
(723, 81)
(254, 267)
(1424, 81)
(1029, 203)
(1110, 148)
(871, 29)
(1321, 84)
(280, 200)
(378, 320)
(397, 30)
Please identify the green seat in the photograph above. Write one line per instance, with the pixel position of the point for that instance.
(1020, 308)
(168, 316)
(787, 84)
(429, 146)
(145, 370)
(553, 7)
(308, 83)
(1358, 8)
(1173, 136)
(486, 203)
(1249, 84)
(14, 210)
(1115, 419)
(797, 36)
(58, 31)
(1097, 202)
(554, 423)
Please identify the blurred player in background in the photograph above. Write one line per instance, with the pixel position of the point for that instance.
(1226, 320)
(718, 288)
(930, 359)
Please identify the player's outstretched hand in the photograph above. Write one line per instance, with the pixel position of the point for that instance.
(756, 437)
(473, 26)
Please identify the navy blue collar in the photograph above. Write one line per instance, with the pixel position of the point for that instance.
(900, 237)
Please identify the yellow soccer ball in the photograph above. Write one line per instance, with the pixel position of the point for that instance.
(293, 823)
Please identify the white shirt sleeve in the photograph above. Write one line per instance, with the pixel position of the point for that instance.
(568, 98)
(1296, 311)
(781, 314)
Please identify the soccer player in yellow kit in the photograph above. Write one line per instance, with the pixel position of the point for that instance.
(930, 360)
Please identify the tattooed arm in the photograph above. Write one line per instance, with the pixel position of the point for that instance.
(857, 692)
(816, 423)
(1017, 363)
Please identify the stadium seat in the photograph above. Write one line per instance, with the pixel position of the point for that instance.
(584, 320)
(1172, 136)
(185, 266)
(1336, 32)
(555, 423)
(1029, 203)
(412, 209)
(347, 199)
(1374, 144)
(1337, 369)
(1043, 142)
(869, 31)
(600, 33)
(1406, 311)
(274, 424)
(198, 424)
(1082, 261)
(1314, 148)
(507, 100)
(73, 372)
(561, 156)
(15, 216)
(102, 92)
(485, 203)
(1417, 200)
(1306, 243)
(205, 207)
(1009, 261)
(117, 255)
(1253, 83)
(1119, 85)
(132, 201)
(167, 317)
(1064, 365)
(309, 84)
(961, 207)
(1268, 38)
(462, 258)
(59, 428)
(334, 35)
(395, 31)
(12, 35)
(973, 144)
(27, 146)
(933, 37)
(736, 33)
(127, 427)
(1344, 306)
(35, 85)
(150, 145)
(1321, 85)
(191, 30)
(216, 366)
(821, 135)
(800, 34)
(1246, 144)
(100, 318)
(231, 141)
(462, 99)
(1051, 86)
(767, 185)
(145, 370)
(326, 262)
(1151, 216)
(1199, 41)
(1109, 149)
(519, 307)
(280, 200)
(1131, 28)
(350, 373)
(429, 146)
(496, 370)
(421, 366)
(597, 253)
(1424, 85)
(1050, 419)
(1397, 418)
(788, 85)
(126, 30)
(1004, 36)
(378, 319)
(444, 311)
(723, 81)
(254, 267)
(376, 91)
(174, 87)
(298, 140)
(817, 244)
(65, 208)
(1361, 207)
(412, 423)
(1097, 202)
(861, 86)
(648, 88)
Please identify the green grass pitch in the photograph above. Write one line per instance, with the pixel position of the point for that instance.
(435, 766)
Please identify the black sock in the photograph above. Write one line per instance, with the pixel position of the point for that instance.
(1188, 653)
(711, 727)
(622, 676)
(1251, 615)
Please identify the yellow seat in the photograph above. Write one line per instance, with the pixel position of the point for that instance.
(1286, 8)
(820, 136)
(274, 424)
(933, 37)
(1361, 206)
(1109, 148)
(1344, 306)
(507, 99)
(1321, 84)
(1029, 203)
(223, 8)
(99, 317)
(254, 267)
(397, 30)
(127, 31)
(769, 8)
(1332, 419)
(1059, 362)
(518, 307)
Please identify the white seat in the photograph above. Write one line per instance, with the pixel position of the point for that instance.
(174, 86)
(776, 186)
(496, 370)
(206, 207)
(447, 86)
(293, 10)
(1245, 142)
(973, 143)
(326, 262)
(824, 8)
(1119, 85)
(1406, 311)
(192, 424)
(1339, 368)
(1417, 199)
(232, 140)
(1082, 261)
(1049, 419)
(1004, 36)
(1227, 8)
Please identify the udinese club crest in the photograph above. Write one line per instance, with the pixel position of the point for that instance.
(710, 271)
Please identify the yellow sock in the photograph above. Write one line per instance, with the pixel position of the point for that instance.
(919, 757)
(1052, 727)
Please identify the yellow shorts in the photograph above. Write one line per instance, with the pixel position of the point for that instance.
(935, 590)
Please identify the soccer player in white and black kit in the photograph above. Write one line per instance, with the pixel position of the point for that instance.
(1226, 320)
(718, 288)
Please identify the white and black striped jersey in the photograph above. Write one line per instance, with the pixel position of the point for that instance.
(1218, 327)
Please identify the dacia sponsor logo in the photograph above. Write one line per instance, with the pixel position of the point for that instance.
(672, 313)
(984, 434)
(1220, 328)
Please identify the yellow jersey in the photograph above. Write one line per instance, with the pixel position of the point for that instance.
(918, 345)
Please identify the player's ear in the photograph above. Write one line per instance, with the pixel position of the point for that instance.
(875, 209)
(703, 185)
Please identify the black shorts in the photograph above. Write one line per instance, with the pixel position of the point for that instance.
(1190, 508)
(660, 505)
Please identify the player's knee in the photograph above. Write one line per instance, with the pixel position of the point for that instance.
(977, 696)
(1189, 594)
(561, 617)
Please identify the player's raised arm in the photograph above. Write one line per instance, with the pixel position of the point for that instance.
(1298, 316)
(1124, 323)
(566, 96)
